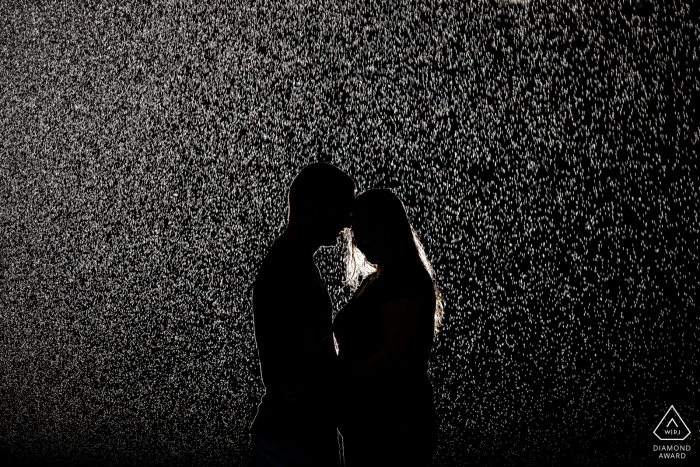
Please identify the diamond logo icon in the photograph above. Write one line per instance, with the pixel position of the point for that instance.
(672, 427)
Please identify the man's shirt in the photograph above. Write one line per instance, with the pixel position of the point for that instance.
(292, 315)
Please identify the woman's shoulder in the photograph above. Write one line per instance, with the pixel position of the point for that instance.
(408, 274)
(409, 281)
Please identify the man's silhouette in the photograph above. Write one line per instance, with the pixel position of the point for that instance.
(292, 314)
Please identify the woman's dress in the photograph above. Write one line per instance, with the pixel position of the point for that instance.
(388, 418)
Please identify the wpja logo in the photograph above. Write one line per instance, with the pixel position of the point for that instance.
(672, 428)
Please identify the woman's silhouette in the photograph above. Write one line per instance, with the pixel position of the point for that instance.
(384, 336)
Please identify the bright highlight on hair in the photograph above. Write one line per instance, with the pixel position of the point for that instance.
(358, 267)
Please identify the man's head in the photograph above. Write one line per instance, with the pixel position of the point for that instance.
(320, 199)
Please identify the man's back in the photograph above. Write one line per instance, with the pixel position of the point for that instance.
(292, 315)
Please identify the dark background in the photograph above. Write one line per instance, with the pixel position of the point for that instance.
(546, 152)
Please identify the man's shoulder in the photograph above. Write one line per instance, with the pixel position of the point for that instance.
(283, 266)
(278, 258)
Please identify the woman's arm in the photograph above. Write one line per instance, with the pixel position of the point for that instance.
(401, 326)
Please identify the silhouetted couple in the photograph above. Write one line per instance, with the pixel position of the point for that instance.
(375, 390)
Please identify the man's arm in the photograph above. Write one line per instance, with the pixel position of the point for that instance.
(281, 350)
(286, 345)
(306, 341)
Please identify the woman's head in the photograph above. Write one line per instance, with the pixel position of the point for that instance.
(381, 236)
(380, 228)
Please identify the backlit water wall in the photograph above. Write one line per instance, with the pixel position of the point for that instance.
(545, 151)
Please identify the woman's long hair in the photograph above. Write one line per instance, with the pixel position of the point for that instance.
(385, 212)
